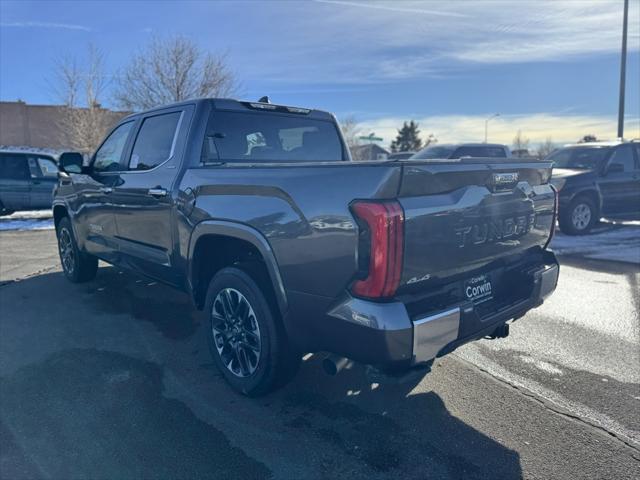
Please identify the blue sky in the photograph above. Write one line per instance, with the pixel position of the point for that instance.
(550, 68)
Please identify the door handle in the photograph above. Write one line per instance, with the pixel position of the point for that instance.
(157, 192)
(106, 189)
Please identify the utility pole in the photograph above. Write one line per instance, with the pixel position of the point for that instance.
(623, 69)
(486, 126)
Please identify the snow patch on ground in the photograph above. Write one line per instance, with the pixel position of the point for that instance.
(28, 220)
(618, 243)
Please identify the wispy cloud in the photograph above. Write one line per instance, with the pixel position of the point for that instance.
(393, 7)
(537, 127)
(64, 26)
(356, 42)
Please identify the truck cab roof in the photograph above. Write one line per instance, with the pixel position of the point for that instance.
(230, 104)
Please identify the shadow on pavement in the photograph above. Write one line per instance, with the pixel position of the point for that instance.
(392, 429)
(94, 413)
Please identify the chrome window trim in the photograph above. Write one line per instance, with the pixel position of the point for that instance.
(173, 143)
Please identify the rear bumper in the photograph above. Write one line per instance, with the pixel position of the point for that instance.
(384, 335)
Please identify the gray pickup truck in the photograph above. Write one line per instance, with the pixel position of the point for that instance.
(258, 212)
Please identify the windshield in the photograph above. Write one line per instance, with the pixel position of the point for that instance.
(586, 158)
(270, 137)
(434, 152)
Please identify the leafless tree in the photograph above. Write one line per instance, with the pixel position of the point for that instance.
(520, 144)
(545, 148)
(172, 70)
(431, 140)
(350, 131)
(82, 121)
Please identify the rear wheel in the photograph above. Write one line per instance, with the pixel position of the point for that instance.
(580, 217)
(77, 266)
(246, 339)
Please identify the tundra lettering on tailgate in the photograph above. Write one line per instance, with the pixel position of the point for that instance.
(495, 230)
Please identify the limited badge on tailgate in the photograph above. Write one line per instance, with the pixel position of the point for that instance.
(478, 289)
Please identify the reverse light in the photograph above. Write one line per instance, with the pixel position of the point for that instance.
(384, 224)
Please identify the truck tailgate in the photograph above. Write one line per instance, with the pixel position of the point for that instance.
(462, 216)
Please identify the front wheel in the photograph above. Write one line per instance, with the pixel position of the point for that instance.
(579, 218)
(76, 265)
(247, 342)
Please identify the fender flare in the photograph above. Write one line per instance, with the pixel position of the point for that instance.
(249, 234)
(590, 191)
(63, 204)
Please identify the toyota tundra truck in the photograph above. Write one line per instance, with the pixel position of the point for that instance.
(289, 247)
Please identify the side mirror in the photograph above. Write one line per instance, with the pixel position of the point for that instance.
(615, 168)
(70, 162)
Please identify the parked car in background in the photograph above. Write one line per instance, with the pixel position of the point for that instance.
(289, 247)
(594, 180)
(27, 178)
(451, 151)
(400, 155)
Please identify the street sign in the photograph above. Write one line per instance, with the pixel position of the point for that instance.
(371, 138)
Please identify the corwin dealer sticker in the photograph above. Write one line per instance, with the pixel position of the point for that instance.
(478, 289)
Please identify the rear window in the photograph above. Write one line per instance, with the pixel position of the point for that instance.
(434, 152)
(479, 151)
(270, 137)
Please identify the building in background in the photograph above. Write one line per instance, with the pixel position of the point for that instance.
(369, 151)
(39, 125)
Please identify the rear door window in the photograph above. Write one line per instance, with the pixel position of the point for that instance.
(270, 137)
(155, 141)
(14, 167)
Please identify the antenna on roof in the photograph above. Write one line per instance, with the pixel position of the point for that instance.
(264, 99)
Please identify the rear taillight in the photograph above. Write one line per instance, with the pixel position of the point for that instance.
(556, 198)
(384, 224)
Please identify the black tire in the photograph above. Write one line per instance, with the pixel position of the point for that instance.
(580, 217)
(249, 370)
(77, 266)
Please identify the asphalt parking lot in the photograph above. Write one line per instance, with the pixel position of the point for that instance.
(112, 379)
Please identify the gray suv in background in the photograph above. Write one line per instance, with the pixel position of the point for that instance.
(27, 178)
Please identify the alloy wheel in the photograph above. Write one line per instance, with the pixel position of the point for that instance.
(236, 332)
(581, 216)
(67, 253)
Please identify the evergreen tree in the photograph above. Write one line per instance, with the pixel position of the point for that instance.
(408, 139)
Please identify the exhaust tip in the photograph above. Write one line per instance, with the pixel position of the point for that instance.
(333, 364)
(329, 367)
